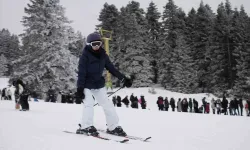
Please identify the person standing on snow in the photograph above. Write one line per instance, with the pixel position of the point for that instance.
(91, 83)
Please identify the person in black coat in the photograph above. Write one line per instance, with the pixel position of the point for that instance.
(196, 105)
(172, 103)
(126, 101)
(114, 100)
(143, 102)
(119, 101)
(166, 103)
(236, 106)
(241, 106)
(184, 105)
(224, 104)
(160, 103)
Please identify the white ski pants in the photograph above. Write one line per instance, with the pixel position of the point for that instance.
(88, 108)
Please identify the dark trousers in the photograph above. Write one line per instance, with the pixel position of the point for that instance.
(173, 108)
(166, 108)
(213, 111)
(218, 111)
(24, 102)
(241, 111)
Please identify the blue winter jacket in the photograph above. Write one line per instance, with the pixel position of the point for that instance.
(91, 67)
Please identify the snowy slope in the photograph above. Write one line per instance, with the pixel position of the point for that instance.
(4, 82)
(41, 129)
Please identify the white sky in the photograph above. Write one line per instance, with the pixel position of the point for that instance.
(84, 13)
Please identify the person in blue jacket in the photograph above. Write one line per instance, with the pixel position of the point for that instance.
(91, 83)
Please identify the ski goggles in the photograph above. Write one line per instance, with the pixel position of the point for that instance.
(96, 43)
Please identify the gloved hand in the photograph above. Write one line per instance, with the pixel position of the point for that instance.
(80, 93)
(127, 82)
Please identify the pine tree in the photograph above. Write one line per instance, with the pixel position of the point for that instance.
(48, 61)
(241, 52)
(3, 65)
(173, 26)
(135, 58)
(202, 41)
(153, 28)
(184, 73)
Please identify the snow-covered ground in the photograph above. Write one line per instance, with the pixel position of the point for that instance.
(41, 129)
(4, 82)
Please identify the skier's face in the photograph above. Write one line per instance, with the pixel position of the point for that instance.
(96, 45)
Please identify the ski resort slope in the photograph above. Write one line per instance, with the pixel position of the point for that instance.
(42, 127)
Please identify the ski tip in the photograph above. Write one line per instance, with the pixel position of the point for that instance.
(124, 141)
(147, 138)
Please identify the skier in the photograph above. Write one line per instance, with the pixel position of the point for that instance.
(218, 106)
(21, 94)
(91, 83)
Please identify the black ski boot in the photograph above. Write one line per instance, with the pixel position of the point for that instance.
(88, 131)
(117, 131)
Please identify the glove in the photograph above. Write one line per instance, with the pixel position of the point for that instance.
(127, 82)
(79, 93)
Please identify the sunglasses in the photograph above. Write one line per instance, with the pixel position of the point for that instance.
(96, 43)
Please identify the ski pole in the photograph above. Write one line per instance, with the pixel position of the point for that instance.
(112, 94)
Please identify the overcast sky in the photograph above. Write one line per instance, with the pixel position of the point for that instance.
(84, 13)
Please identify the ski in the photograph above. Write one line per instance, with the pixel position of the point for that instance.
(101, 137)
(128, 136)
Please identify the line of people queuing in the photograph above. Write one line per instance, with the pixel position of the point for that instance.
(235, 107)
(133, 101)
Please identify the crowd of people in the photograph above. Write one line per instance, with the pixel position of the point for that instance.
(233, 107)
(133, 101)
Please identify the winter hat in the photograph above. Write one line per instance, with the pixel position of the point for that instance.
(93, 37)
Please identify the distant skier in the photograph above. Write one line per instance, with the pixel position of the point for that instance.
(21, 94)
(224, 104)
(91, 83)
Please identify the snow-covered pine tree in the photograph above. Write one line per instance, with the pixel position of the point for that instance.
(173, 26)
(218, 55)
(48, 61)
(241, 40)
(153, 30)
(3, 65)
(136, 54)
(76, 42)
(202, 46)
